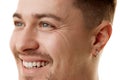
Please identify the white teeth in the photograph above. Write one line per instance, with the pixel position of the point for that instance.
(34, 64)
(38, 64)
(29, 64)
(42, 63)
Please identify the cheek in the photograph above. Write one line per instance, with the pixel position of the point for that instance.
(12, 42)
(66, 49)
(55, 44)
(63, 45)
(12, 46)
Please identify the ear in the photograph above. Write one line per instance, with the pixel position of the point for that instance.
(100, 37)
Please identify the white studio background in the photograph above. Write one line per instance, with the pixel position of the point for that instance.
(109, 67)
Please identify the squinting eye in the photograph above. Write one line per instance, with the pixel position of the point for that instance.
(46, 26)
(18, 24)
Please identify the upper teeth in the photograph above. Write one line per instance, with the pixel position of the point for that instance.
(34, 64)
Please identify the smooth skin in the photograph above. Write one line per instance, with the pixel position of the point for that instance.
(55, 31)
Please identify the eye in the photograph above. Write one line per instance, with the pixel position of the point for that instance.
(18, 23)
(46, 26)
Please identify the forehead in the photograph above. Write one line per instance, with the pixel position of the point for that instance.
(64, 9)
(44, 5)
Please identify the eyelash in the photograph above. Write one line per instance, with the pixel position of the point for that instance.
(43, 25)
(17, 23)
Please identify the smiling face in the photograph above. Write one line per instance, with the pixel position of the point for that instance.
(50, 41)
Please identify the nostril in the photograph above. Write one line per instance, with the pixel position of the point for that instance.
(29, 49)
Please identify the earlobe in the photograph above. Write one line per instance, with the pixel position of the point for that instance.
(101, 37)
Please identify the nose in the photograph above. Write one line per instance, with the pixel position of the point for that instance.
(26, 41)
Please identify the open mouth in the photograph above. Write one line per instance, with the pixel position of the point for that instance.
(35, 64)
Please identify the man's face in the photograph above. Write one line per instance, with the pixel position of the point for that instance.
(50, 41)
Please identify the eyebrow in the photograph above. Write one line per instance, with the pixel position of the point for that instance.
(39, 16)
(17, 15)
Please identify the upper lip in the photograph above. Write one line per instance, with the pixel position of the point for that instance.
(34, 58)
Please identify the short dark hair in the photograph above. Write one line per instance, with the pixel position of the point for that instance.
(95, 11)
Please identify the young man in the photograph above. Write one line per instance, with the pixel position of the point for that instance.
(60, 39)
